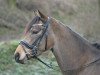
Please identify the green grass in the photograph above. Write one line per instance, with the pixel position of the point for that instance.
(12, 3)
(8, 66)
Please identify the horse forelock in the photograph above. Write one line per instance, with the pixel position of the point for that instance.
(29, 25)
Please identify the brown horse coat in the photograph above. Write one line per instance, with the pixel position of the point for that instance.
(73, 52)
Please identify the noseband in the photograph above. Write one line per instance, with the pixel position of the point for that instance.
(35, 45)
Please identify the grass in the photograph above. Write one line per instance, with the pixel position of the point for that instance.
(8, 66)
(12, 3)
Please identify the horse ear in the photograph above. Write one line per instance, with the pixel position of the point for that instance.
(42, 15)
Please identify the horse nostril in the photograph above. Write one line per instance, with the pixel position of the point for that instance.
(17, 56)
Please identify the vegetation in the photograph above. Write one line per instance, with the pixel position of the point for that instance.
(78, 14)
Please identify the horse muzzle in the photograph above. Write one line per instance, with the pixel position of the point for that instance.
(17, 56)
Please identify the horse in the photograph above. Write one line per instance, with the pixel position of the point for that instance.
(74, 54)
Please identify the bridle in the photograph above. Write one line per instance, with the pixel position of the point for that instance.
(35, 45)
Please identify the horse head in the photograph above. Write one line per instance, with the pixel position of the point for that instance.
(38, 38)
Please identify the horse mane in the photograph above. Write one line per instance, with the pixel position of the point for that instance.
(96, 45)
(29, 25)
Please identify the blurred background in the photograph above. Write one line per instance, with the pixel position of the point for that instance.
(82, 16)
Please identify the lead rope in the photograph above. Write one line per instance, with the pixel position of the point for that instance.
(44, 63)
(48, 65)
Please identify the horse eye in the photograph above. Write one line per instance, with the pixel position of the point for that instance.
(34, 32)
(35, 29)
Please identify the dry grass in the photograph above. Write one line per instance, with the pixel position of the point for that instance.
(81, 15)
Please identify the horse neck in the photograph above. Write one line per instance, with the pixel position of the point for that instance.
(70, 49)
